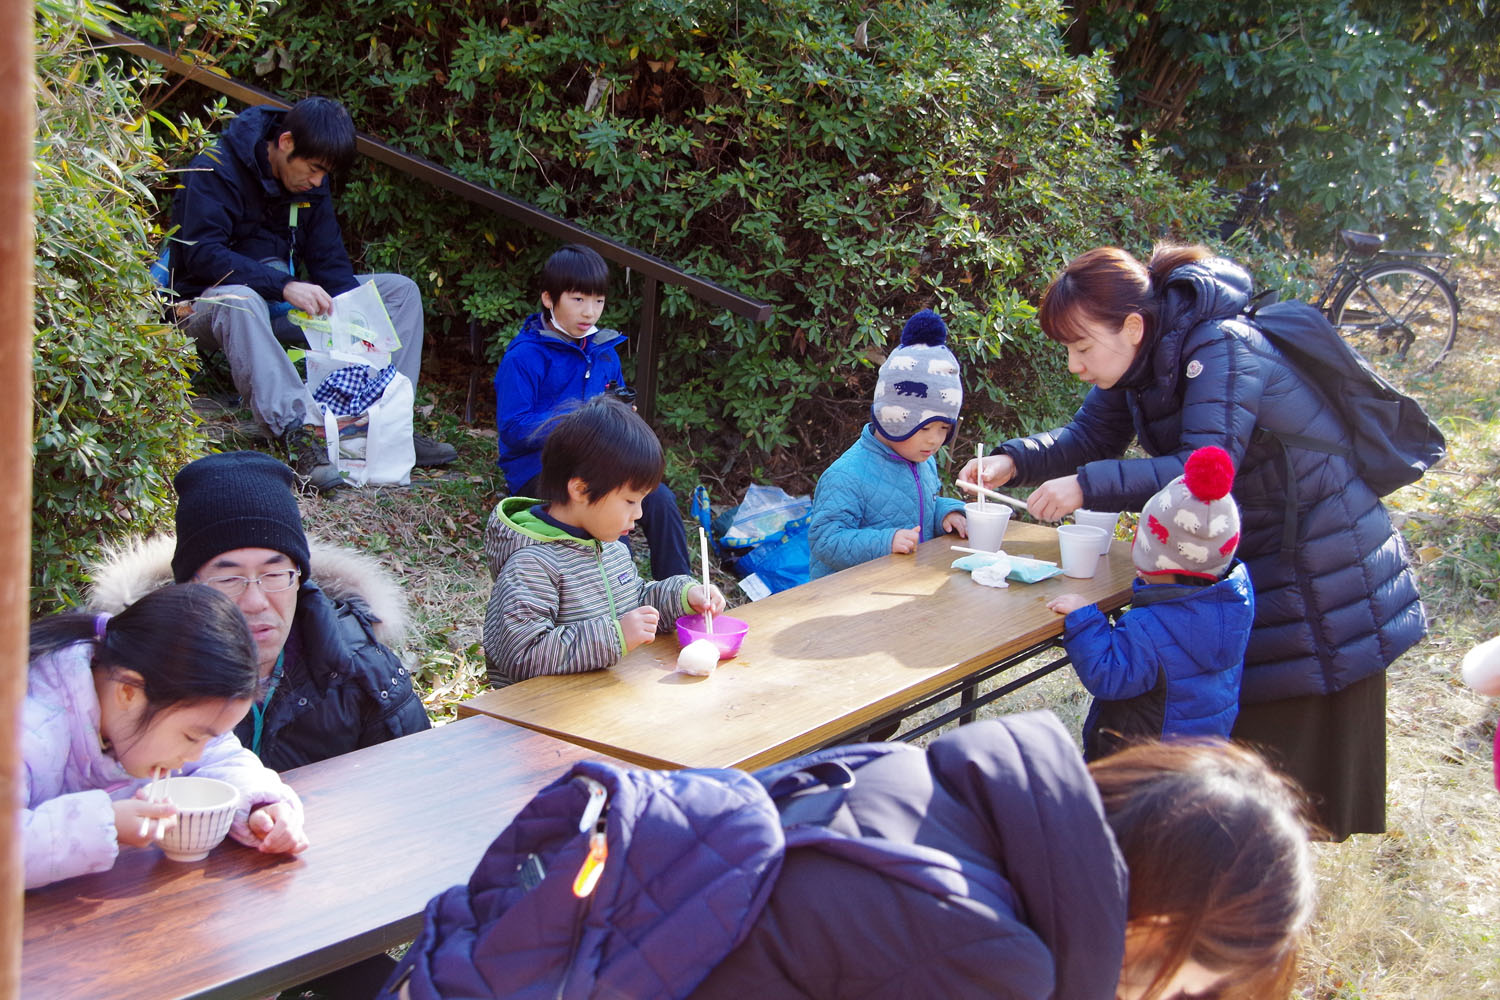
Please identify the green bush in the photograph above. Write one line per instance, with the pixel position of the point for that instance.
(113, 420)
(849, 163)
(1370, 115)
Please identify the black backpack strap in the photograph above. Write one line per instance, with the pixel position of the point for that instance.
(1313, 444)
(1285, 441)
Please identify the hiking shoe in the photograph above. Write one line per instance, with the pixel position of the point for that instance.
(431, 453)
(309, 460)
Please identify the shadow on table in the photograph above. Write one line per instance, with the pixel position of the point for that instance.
(887, 630)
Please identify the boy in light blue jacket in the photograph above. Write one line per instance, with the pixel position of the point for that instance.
(881, 496)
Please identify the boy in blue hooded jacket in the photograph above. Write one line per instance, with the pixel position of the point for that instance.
(559, 358)
(881, 496)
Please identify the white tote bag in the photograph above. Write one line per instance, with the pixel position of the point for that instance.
(374, 448)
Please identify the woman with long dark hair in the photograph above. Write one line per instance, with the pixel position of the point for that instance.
(1174, 366)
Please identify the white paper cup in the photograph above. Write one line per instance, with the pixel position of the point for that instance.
(1099, 519)
(205, 811)
(1079, 545)
(987, 526)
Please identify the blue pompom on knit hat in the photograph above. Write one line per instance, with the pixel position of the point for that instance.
(919, 382)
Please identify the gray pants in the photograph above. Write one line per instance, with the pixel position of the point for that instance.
(236, 320)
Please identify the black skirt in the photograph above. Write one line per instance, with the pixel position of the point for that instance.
(1334, 746)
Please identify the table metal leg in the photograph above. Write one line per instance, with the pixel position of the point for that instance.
(969, 699)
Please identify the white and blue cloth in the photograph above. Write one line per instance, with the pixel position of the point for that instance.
(354, 388)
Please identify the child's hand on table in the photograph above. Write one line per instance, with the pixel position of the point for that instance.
(278, 827)
(696, 600)
(957, 524)
(639, 626)
(904, 541)
(1067, 603)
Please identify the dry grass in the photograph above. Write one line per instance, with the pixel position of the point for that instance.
(1410, 915)
(1416, 913)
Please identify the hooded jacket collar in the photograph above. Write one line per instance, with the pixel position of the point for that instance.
(519, 527)
(873, 444)
(127, 572)
(1193, 294)
(245, 138)
(1205, 290)
(537, 328)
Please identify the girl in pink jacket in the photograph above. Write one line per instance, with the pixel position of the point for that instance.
(112, 701)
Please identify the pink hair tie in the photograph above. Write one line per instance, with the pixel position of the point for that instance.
(99, 621)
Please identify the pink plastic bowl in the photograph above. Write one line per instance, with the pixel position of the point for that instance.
(728, 633)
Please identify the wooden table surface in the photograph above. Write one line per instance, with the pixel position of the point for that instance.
(820, 660)
(391, 826)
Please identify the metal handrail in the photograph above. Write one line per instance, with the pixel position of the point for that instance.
(652, 269)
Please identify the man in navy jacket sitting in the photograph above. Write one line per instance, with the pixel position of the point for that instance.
(257, 236)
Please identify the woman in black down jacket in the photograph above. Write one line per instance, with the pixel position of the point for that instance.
(1175, 366)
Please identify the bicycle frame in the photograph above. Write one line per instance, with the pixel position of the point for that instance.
(1396, 306)
(1353, 263)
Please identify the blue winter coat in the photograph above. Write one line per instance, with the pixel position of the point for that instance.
(232, 214)
(1039, 912)
(1171, 665)
(1042, 915)
(691, 856)
(1343, 603)
(866, 496)
(541, 371)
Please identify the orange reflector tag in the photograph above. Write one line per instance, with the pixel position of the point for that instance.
(592, 868)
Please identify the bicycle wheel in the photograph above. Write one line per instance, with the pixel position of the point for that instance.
(1400, 316)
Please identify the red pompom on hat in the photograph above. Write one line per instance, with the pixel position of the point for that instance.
(1209, 473)
(1192, 526)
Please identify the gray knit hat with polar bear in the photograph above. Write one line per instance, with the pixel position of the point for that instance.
(919, 382)
(1192, 525)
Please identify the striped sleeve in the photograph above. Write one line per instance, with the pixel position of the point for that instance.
(522, 634)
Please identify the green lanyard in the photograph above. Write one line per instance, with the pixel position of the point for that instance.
(258, 706)
(291, 250)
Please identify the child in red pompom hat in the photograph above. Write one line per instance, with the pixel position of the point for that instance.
(1171, 665)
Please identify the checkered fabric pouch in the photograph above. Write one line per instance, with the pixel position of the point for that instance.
(353, 389)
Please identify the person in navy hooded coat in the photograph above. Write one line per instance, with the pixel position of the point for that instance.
(991, 864)
(1174, 365)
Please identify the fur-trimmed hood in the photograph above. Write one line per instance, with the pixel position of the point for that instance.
(127, 572)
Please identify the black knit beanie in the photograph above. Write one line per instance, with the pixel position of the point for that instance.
(237, 500)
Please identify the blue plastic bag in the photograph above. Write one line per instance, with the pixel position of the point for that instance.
(777, 564)
(766, 545)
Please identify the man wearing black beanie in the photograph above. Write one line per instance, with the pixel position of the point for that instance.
(327, 685)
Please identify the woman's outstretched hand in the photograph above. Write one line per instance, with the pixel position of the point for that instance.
(996, 470)
(1055, 499)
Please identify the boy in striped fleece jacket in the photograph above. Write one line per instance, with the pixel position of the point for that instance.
(567, 597)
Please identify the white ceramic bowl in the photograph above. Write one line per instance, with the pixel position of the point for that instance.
(205, 811)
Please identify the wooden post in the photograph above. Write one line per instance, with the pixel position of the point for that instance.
(16, 123)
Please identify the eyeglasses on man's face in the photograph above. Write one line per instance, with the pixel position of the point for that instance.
(269, 583)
